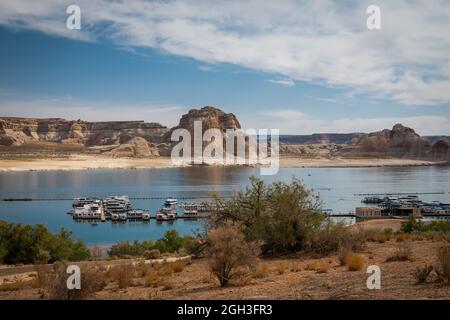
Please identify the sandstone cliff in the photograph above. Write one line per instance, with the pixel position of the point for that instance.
(211, 118)
(15, 132)
(142, 139)
(400, 142)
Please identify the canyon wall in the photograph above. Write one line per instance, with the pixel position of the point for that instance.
(143, 139)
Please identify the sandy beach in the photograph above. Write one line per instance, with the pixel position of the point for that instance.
(85, 162)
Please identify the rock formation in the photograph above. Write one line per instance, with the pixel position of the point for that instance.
(211, 118)
(322, 150)
(440, 151)
(134, 138)
(400, 142)
(142, 139)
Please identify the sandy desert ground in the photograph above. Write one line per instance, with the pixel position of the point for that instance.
(80, 162)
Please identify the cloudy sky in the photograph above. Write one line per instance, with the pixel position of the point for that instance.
(300, 66)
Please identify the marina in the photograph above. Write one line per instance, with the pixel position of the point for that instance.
(404, 205)
(119, 209)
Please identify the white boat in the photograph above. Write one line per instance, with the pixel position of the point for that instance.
(161, 216)
(116, 204)
(190, 213)
(88, 211)
(138, 214)
(170, 202)
(81, 202)
(166, 214)
(146, 216)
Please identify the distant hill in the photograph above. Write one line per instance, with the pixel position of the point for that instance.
(338, 138)
(434, 139)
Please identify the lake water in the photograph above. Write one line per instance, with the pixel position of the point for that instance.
(336, 187)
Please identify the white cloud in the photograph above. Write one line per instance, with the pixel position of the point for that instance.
(284, 81)
(296, 122)
(318, 41)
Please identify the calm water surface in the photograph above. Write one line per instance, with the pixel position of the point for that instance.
(336, 186)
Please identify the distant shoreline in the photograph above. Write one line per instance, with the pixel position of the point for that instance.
(90, 162)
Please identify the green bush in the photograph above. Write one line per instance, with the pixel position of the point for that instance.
(284, 216)
(414, 225)
(21, 243)
(172, 242)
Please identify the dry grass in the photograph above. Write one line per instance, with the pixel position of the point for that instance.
(443, 268)
(281, 267)
(343, 254)
(318, 266)
(421, 274)
(54, 282)
(296, 267)
(381, 238)
(400, 237)
(123, 275)
(355, 262)
(178, 266)
(19, 285)
(402, 253)
(262, 271)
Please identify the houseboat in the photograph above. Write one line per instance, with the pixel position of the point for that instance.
(170, 202)
(138, 214)
(165, 214)
(81, 202)
(88, 211)
(116, 204)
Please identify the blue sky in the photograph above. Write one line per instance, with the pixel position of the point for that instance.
(270, 77)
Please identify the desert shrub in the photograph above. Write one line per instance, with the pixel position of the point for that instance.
(21, 243)
(19, 285)
(152, 254)
(402, 253)
(343, 254)
(400, 237)
(281, 267)
(414, 225)
(261, 271)
(172, 242)
(355, 262)
(318, 266)
(124, 276)
(281, 215)
(54, 281)
(381, 238)
(152, 279)
(421, 274)
(443, 268)
(178, 266)
(230, 256)
(330, 236)
(193, 246)
(296, 267)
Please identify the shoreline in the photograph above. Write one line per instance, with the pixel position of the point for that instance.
(91, 162)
